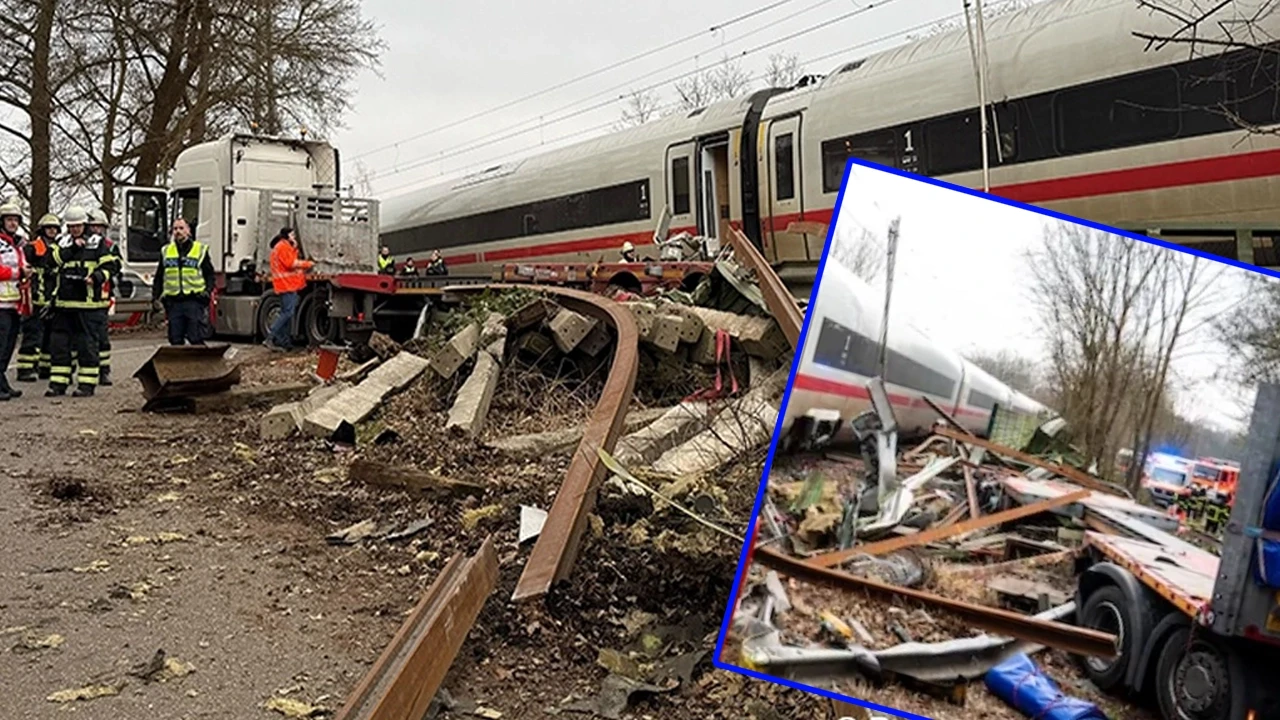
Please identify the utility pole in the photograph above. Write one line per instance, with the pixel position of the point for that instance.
(888, 295)
(982, 97)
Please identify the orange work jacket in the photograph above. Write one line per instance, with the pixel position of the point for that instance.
(285, 277)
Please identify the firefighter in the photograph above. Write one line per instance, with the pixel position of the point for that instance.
(184, 278)
(386, 263)
(81, 273)
(98, 222)
(14, 274)
(628, 252)
(436, 265)
(33, 355)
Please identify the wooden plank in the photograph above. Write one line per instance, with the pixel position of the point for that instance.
(384, 475)
(1078, 640)
(405, 678)
(934, 534)
(972, 490)
(241, 398)
(1076, 476)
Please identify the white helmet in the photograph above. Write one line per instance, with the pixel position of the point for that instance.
(76, 216)
(10, 208)
(628, 247)
(97, 217)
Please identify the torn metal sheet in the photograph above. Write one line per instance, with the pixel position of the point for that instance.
(1074, 475)
(175, 372)
(943, 532)
(896, 506)
(1081, 641)
(959, 660)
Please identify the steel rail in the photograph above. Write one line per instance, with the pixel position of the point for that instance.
(405, 678)
(1081, 641)
(780, 301)
(558, 545)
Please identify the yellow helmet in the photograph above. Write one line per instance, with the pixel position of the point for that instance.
(10, 208)
(49, 220)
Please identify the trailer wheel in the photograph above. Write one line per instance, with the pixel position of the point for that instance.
(1105, 611)
(1199, 679)
(317, 327)
(268, 311)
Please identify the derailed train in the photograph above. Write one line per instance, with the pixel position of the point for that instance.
(841, 354)
(1086, 119)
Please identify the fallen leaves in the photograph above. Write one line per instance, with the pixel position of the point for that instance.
(97, 566)
(89, 692)
(471, 518)
(34, 642)
(295, 708)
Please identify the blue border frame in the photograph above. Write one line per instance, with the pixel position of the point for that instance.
(795, 366)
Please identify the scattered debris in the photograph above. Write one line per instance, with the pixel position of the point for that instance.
(89, 692)
(531, 521)
(291, 708)
(375, 473)
(353, 534)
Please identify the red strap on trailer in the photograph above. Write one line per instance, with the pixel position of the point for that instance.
(723, 354)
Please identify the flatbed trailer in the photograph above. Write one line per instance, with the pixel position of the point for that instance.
(1199, 634)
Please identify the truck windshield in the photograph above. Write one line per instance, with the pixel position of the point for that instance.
(186, 205)
(145, 228)
(1168, 476)
(1206, 472)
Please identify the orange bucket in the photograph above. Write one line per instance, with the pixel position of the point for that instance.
(328, 364)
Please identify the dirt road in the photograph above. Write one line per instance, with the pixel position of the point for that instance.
(254, 609)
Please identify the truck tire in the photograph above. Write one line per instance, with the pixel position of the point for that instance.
(1200, 678)
(1106, 611)
(314, 324)
(268, 309)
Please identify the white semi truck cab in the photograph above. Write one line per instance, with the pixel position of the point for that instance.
(237, 192)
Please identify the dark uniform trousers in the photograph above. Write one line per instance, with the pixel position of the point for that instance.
(29, 353)
(74, 331)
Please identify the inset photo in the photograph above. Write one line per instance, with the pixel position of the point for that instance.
(1024, 467)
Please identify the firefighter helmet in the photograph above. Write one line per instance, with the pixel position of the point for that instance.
(628, 247)
(97, 217)
(49, 220)
(10, 208)
(76, 215)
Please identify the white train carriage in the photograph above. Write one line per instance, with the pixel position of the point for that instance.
(840, 356)
(582, 202)
(1086, 120)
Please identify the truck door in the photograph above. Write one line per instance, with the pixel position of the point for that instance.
(144, 227)
(783, 197)
(679, 172)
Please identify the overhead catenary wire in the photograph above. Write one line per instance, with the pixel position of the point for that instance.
(477, 145)
(427, 159)
(598, 71)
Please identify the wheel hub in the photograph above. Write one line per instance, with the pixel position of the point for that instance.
(1109, 620)
(1202, 684)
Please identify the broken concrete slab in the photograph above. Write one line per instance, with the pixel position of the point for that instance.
(471, 407)
(691, 326)
(556, 441)
(676, 425)
(356, 403)
(644, 314)
(383, 346)
(758, 336)
(569, 328)
(285, 419)
(242, 398)
(596, 341)
(493, 336)
(746, 423)
(534, 345)
(666, 332)
(530, 314)
(460, 348)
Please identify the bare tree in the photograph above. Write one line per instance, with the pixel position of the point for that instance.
(1251, 331)
(783, 70)
(859, 250)
(727, 79)
(642, 106)
(1113, 311)
(1017, 371)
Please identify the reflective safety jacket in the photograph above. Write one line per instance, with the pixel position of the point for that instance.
(12, 262)
(386, 264)
(81, 275)
(183, 271)
(39, 253)
(288, 272)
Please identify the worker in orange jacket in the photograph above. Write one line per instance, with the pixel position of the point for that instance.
(288, 278)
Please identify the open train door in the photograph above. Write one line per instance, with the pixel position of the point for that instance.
(680, 181)
(713, 187)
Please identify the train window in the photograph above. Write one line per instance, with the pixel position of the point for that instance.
(840, 348)
(782, 163)
(981, 400)
(626, 202)
(1254, 74)
(680, 186)
(877, 147)
(1116, 113)
(953, 144)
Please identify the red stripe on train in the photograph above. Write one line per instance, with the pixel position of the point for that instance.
(608, 242)
(1264, 163)
(833, 387)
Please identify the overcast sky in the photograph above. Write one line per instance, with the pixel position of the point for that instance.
(448, 62)
(962, 277)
